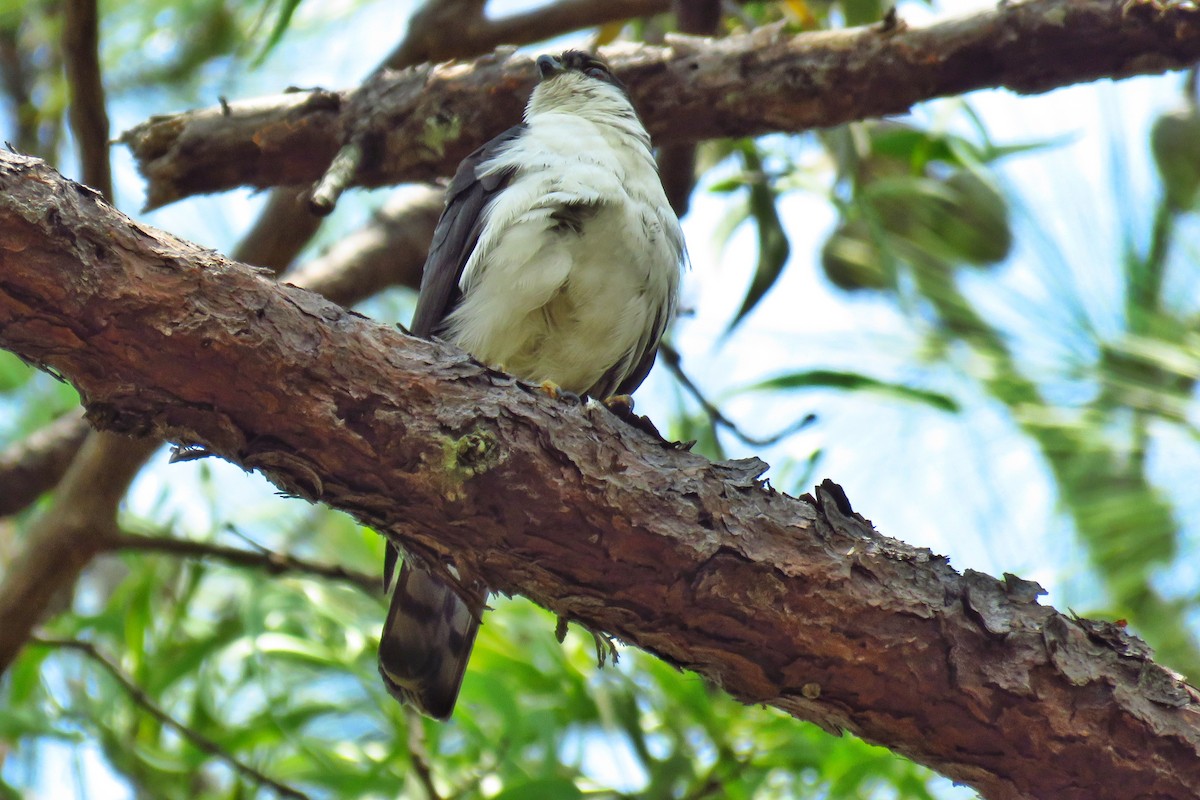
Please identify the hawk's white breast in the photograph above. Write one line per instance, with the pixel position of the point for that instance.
(577, 267)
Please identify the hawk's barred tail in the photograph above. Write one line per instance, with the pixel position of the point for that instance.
(426, 642)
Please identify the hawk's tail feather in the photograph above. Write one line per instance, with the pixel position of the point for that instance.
(426, 641)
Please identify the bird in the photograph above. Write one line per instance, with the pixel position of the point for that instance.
(557, 258)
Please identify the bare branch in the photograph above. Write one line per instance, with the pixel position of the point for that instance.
(418, 124)
(34, 465)
(674, 364)
(418, 753)
(89, 119)
(269, 562)
(388, 251)
(792, 603)
(677, 162)
(336, 180)
(138, 695)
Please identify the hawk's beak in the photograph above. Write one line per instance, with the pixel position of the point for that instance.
(548, 66)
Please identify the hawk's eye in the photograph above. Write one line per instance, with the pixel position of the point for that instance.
(597, 72)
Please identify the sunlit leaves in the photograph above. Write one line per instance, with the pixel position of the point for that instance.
(916, 200)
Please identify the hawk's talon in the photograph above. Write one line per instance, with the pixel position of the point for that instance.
(621, 405)
(556, 392)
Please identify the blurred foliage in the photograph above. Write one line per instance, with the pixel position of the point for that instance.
(280, 672)
(917, 207)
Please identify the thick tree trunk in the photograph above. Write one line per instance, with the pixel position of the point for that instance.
(795, 603)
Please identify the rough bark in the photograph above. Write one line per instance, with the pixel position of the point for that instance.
(789, 602)
(417, 124)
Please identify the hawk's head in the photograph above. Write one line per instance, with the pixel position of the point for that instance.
(578, 83)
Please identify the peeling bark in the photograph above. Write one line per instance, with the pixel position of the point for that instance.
(418, 124)
(795, 603)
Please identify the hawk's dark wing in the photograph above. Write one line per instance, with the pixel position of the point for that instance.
(457, 233)
(454, 240)
(427, 637)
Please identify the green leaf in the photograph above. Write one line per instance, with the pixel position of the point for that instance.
(773, 246)
(286, 9)
(1175, 142)
(538, 788)
(854, 382)
(25, 676)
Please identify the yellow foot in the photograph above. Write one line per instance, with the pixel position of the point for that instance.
(551, 390)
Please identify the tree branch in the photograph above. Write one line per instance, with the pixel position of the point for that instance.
(82, 521)
(32, 466)
(89, 118)
(796, 604)
(269, 562)
(387, 251)
(419, 123)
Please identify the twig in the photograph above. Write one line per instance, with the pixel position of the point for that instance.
(139, 696)
(335, 180)
(418, 754)
(670, 357)
(271, 562)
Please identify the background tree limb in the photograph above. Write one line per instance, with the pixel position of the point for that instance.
(795, 604)
(419, 123)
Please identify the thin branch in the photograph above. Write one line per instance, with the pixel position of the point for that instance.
(418, 754)
(336, 179)
(424, 120)
(388, 251)
(270, 562)
(794, 603)
(671, 360)
(141, 698)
